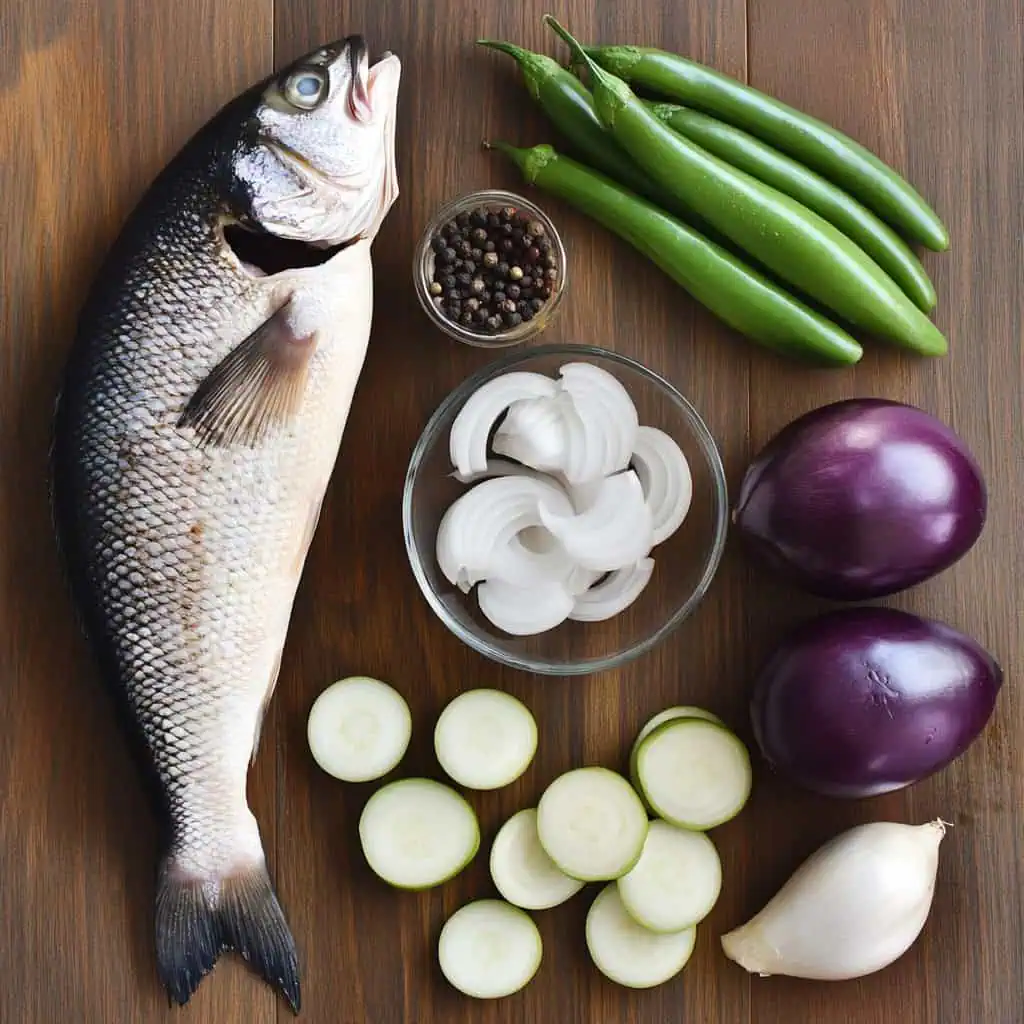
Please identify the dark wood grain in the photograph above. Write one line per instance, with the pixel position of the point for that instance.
(92, 103)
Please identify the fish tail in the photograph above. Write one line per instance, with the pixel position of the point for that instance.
(197, 919)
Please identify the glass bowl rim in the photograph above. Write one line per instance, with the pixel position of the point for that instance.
(505, 339)
(712, 559)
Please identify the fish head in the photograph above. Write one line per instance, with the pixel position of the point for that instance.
(317, 163)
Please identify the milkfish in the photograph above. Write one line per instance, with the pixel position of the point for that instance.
(197, 427)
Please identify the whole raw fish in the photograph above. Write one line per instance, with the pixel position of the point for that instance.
(197, 428)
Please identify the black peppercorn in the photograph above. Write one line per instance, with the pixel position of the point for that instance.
(479, 235)
(512, 291)
(517, 236)
(464, 279)
(494, 322)
(462, 219)
(451, 228)
(551, 274)
(472, 303)
(493, 220)
(498, 297)
(508, 306)
(536, 305)
(448, 256)
(526, 281)
(448, 282)
(479, 316)
(466, 319)
(489, 246)
(469, 267)
(438, 244)
(477, 285)
(507, 245)
(506, 230)
(512, 319)
(478, 218)
(502, 270)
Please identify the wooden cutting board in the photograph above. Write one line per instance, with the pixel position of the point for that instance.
(94, 98)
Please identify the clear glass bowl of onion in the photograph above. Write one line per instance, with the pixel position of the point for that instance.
(565, 509)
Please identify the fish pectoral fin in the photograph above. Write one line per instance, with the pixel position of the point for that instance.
(258, 385)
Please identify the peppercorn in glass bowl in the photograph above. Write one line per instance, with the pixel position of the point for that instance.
(539, 591)
(489, 269)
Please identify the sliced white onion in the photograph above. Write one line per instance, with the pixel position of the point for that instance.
(467, 443)
(486, 518)
(524, 611)
(531, 557)
(533, 433)
(614, 532)
(666, 479)
(613, 595)
(494, 467)
(583, 496)
(585, 447)
(609, 423)
(580, 580)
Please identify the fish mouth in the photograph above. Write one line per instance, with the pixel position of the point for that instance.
(262, 254)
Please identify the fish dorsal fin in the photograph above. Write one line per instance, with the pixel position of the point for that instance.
(258, 385)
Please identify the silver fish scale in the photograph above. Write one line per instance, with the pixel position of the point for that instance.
(191, 556)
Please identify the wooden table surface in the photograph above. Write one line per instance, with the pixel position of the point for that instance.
(94, 98)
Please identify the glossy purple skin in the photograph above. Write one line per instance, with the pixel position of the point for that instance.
(862, 498)
(863, 701)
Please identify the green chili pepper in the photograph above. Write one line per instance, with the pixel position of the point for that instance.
(811, 141)
(569, 106)
(774, 168)
(736, 293)
(785, 236)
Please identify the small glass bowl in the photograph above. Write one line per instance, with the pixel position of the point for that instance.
(423, 269)
(685, 564)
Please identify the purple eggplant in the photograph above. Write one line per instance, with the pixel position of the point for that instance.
(862, 498)
(863, 701)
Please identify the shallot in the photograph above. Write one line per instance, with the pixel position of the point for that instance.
(854, 906)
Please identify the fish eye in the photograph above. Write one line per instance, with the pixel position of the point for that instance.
(306, 89)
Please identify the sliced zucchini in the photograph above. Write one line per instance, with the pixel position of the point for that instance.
(694, 773)
(676, 881)
(668, 715)
(485, 739)
(358, 729)
(522, 871)
(489, 949)
(418, 833)
(626, 952)
(592, 824)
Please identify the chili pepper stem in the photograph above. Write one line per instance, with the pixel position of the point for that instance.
(535, 67)
(530, 162)
(610, 93)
